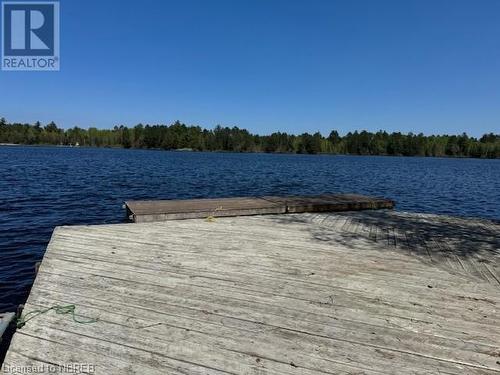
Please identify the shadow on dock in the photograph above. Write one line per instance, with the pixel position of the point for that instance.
(467, 247)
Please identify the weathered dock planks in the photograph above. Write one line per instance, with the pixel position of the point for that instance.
(331, 203)
(159, 210)
(147, 211)
(369, 292)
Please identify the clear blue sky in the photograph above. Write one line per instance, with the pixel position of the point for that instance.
(428, 66)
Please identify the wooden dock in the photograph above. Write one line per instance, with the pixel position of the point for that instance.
(368, 292)
(159, 210)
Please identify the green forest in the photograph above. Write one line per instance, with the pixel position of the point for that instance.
(179, 136)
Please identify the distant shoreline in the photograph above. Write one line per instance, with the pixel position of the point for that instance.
(239, 152)
(179, 136)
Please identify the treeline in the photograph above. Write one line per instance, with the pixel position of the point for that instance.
(180, 136)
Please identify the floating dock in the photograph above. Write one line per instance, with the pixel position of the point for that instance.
(148, 211)
(366, 292)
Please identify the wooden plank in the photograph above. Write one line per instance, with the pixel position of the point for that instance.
(147, 211)
(331, 203)
(308, 293)
(160, 210)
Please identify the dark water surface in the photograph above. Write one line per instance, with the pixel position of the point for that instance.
(42, 187)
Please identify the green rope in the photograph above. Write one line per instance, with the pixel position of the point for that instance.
(66, 309)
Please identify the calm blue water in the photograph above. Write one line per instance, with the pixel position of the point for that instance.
(42, 187)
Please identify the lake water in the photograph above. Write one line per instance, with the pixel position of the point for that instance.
(42, 187)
